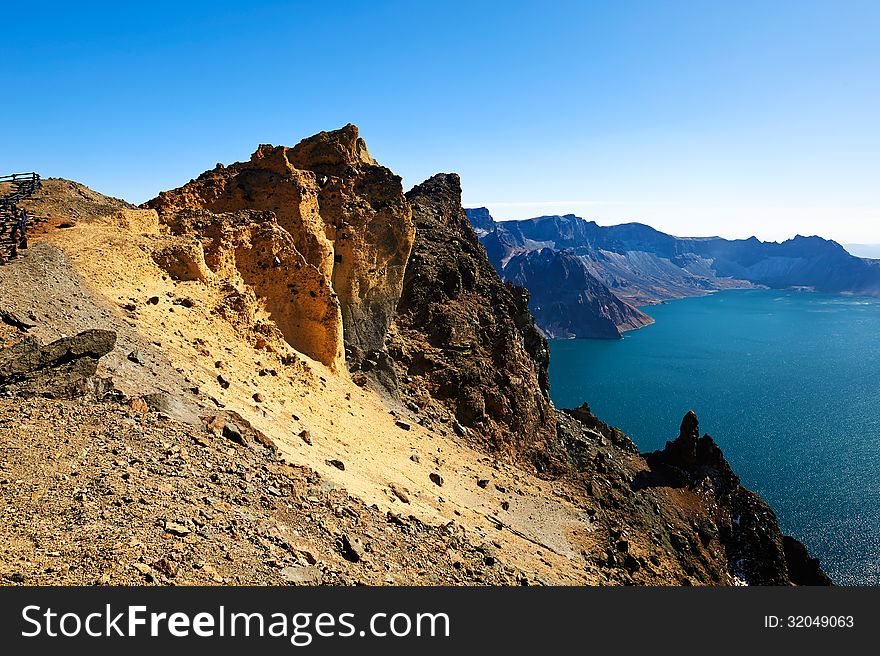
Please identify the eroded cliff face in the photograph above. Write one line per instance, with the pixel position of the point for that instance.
(465, 340)
(567, 300)
(258, 263)
(345, 226)
(369, 221)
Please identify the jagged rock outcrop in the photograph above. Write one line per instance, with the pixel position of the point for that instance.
(756, 549)
(346, 219)
(259, 262)
(567, 300)
(64, 369)
(370, 224)
(465, 338)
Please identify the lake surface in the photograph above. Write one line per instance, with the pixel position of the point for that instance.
(787, 383)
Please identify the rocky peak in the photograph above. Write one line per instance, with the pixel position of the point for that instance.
(343, 214)
(683, 450)
(465, 343)
(440, 197)
(756, 549)
(330, 151)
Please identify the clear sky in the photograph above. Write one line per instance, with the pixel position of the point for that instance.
(731, 118)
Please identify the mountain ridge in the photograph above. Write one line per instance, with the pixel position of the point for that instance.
(641, 265)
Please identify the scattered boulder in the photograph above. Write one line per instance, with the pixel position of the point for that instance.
(233, 433)
(436, 479)
(399, 492)
(171, 406)
(12, 319)
(308, 575)
(64, 369)
(351, 548)
(177, 529)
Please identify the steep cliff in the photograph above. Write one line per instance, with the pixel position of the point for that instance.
(755, 548)
(465, 339)
(346, 219)
(567, 300)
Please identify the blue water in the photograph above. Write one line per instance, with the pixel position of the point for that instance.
(787, 383)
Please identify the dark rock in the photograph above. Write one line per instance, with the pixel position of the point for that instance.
(12, 319)
(336, 463)
(577, 447)
(802, 568)
(306, 436)
(351, 548)
(679, 542)
(436, 478)
(233, 433)
(63, 369)
(483, 482)
(706, 529)
(466, 335)
(402, 424)
(224, 383)
(153, 300)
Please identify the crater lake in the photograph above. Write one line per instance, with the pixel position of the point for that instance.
(787, 383)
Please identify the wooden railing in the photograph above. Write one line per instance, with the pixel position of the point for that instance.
(13, 219)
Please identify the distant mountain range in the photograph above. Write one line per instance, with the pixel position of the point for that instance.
(586, 279)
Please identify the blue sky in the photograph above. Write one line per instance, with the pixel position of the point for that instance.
(730, 118)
